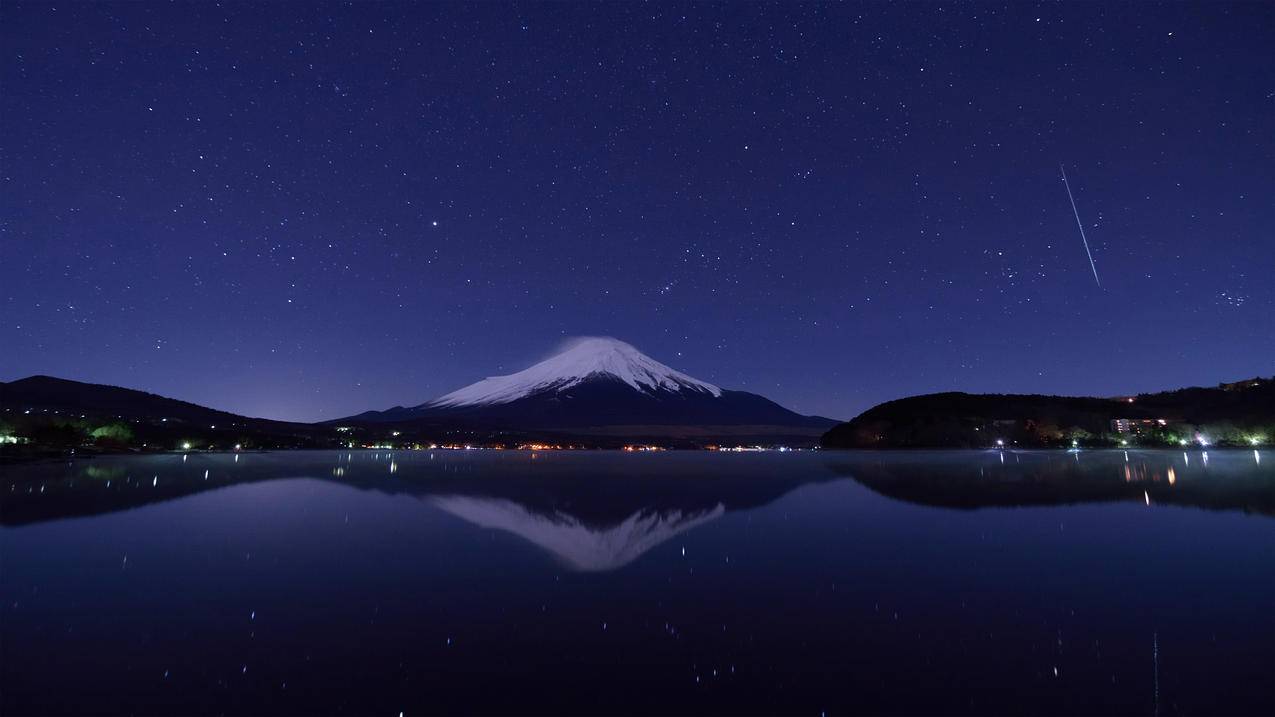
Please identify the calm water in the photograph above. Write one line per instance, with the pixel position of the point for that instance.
(499, 582)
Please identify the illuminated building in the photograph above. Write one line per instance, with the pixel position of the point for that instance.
(1137, 426)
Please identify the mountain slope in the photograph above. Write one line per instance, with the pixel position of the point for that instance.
(55, 414)
(599, 384)
(47, 393)
(585, 358)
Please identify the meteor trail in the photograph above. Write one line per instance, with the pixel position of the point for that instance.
(1080, 226)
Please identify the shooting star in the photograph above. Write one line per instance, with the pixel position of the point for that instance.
(1080, 226)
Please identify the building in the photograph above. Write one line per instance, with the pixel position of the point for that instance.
(1137, 426)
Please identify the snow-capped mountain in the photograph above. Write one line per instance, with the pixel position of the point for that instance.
(604, 386)
(583, 359)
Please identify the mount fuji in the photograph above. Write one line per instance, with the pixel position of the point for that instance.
(604, 386)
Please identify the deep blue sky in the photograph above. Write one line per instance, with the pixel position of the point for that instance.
(303, 211)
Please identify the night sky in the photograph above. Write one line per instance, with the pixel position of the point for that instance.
(303, 211)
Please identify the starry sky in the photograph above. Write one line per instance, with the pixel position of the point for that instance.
(307, 210)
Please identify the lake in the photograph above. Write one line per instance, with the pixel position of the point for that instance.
(497, 582)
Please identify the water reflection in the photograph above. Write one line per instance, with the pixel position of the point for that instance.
(590, 511)
(1220, 480)
(577, 544)
(601, 510)
(379, 583)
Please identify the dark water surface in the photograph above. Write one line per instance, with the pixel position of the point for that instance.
(507, 582)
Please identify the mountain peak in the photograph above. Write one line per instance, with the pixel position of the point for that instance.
(599, 356)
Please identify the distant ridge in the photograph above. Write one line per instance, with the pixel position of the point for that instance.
(48, 392)
(1238, 413)
(602, 410)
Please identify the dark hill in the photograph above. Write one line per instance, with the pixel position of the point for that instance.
(56, 414)
(1233, 414)
(46, 394)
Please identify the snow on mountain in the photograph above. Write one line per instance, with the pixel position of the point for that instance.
(584, 358)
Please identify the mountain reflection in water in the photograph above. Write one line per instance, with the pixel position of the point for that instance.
(592, 511)
(909, 583)
(579, 545)
(599, 511)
